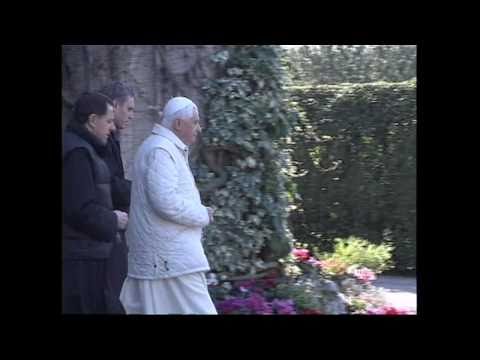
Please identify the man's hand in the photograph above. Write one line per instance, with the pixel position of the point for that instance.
(122, 219)
(210, 213)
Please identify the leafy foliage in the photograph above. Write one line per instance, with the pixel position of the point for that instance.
(333, 64)
(359, 252)
(354, 153)
(243, 169)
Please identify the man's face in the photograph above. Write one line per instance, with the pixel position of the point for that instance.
(124, 112)
(102, 126)
(188, 130)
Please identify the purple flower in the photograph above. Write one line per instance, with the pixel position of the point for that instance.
(314, 262)
(258, 304)
(231, 305)
(284, 307)
(253, 304)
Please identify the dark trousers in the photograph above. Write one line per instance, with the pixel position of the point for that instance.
(93, 286)
(116, 274)
(84, 285)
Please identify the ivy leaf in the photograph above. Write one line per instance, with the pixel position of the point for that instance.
(220, 57)
(251, 162)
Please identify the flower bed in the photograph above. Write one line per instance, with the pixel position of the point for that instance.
(305, 285)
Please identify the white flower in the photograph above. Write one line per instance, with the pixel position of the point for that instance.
(212, 279)
(351, 269)
(227, 286)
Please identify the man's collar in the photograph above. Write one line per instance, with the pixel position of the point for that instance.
(170, 135)
(116, 135)
(81, 131)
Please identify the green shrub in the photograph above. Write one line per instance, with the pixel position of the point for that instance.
(356, 251)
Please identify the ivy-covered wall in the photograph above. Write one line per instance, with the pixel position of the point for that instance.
(241, 170)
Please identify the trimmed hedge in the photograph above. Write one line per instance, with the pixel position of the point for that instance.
(354, 150)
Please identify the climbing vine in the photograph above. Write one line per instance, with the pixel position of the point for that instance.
(243, 165)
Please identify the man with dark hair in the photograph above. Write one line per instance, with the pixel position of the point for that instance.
(90, 223)
(123, 108)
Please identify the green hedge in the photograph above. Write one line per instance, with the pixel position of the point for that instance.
(354, 150)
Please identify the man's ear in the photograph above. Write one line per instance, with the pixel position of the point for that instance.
(177, 124)
(92, 120)
(116, 104)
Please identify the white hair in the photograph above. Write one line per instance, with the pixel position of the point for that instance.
(178, 108)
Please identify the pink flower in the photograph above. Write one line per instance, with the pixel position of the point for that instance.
(301, 254)
(390, 310)
(364, 275)
(386, 310)
(246, 284)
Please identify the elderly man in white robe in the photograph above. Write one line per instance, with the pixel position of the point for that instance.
(166, 260)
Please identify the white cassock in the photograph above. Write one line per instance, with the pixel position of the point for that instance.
(166, 261)
(186, 294)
